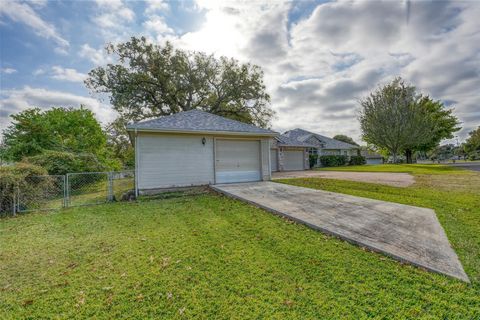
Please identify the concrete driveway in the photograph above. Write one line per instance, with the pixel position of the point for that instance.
(406, 233)
(386, 178)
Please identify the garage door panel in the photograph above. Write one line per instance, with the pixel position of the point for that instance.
(293, 160)
(237, 161)
(237, 176)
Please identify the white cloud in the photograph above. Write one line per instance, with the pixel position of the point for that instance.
(113, 18)
(67, 74)
(157, 25)
(97, 56)
(14, 101)
(23, 13)
(109, 4)
(38, 72)
(317, 68)
(38, 3)
(7, 70)
(153, 6)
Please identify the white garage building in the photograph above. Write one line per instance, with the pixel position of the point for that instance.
(195, 148)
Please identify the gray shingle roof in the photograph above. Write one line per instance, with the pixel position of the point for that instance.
(198, 121)
(300, 135)
(284, 140)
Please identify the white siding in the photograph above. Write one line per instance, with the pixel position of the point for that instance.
(166, 160)
(273, 160)
(265, 154)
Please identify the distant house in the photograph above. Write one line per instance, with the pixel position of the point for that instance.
(290, 151)
(198, 148)
(372, 157)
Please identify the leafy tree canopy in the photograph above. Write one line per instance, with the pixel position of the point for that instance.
(445, 123)
(63, 129)
(473, 142)
(396, 118)
(344, 138)
(150, 80)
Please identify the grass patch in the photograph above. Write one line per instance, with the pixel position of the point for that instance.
(206, 256)
(407, 168)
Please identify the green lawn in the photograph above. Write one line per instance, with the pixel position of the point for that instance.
(206, 256)
(408, 168)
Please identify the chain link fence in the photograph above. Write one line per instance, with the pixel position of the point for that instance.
(52, 192)
(7, 201)
(41, 193)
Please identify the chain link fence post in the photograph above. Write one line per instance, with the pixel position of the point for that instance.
(15, 195)
(110, 187)
(67, 190)
(64, 190)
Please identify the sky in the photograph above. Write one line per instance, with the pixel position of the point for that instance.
(319, 57)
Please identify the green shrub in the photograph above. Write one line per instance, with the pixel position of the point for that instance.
(59, 162)
(312, 158)
(357, 160)
(21, 176)
(473, 156)
(333, 160)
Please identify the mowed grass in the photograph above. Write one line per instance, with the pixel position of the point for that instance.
(431, 169)
(210, 257)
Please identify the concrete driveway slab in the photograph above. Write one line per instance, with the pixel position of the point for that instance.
(406, 233)
(386, 178)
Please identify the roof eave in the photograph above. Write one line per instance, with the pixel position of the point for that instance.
(210, 132)
(295, 146)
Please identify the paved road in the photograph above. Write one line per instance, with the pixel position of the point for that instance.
(475, 166)
(406, 233)
(387, 178)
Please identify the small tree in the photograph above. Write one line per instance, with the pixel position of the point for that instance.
(472, 145)
(62, 129)
(392, 118)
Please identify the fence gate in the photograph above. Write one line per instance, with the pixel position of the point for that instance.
(86, 188)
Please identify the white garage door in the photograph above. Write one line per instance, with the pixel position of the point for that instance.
(293, 160)
(273, 160)
(374, 161)
(237, 161)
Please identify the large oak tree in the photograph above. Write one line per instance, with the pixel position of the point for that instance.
(150, 80)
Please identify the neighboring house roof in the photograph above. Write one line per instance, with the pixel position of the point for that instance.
(304, 136)
(196, 121)
(285, 141)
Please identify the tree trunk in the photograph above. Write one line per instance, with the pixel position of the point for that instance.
(408, 155)
(394, 154)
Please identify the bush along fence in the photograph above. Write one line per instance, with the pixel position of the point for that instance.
(50, 192)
